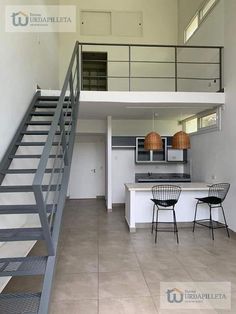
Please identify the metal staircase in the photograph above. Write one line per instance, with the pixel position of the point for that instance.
(43, 144)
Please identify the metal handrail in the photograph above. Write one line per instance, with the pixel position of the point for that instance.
(175, 61)
(38, 178)
(65, 163)
(147, 45)
(62, 157)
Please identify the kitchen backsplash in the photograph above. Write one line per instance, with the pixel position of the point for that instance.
(175, 168)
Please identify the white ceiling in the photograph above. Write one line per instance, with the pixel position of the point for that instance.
(140, 111)
(142, 105)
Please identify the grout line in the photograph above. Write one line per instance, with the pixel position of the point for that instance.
(135, 253)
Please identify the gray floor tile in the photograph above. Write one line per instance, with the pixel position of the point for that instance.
(120, 261)
(102, 268)
(72, 307)
(75, 287)
(141, 305)
(122, 284)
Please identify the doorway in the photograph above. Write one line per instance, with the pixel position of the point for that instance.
(94, 71)
(87, 178)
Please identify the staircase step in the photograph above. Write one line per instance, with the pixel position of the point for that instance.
(47, 113)
(44, 122)
(52, 104)
(21, 234)
(18, 303)
(23, 266)
(31, 156)
(39, 133)
(23, 188)
(22, 209)
(34, 143)
(27, 171)
(51, 98)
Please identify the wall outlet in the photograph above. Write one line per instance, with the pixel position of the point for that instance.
(213, 177)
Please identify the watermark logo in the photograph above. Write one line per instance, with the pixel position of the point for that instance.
(175, 296)
(20, 19)
(195, 295)
(36, 18)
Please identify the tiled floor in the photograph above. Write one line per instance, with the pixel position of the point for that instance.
(104, 269)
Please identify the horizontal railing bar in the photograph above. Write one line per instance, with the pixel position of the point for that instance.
(142, 61)
(199, 78)
(148, 45)
(149, 77)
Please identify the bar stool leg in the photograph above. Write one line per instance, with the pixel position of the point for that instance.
(226, 226)
(156, 226)
(153, 215)
(175, 226)
(211, 224)
(195, 216)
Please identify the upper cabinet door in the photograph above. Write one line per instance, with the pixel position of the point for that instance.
(146, 156)
(142, 155)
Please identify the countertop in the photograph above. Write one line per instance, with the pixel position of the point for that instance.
(186, 186)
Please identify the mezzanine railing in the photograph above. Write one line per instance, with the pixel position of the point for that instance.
(151, 67)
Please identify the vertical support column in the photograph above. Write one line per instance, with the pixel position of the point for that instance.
(38, 194)
(79, 70)
(109, 165)
(63, 141)
(81, 66)
(176, 69)
(129, 68)
(221, 68)
(72, 91)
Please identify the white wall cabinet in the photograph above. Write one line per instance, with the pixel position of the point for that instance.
(145, 156)
(175, 154)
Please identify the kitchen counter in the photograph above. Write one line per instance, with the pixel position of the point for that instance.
(138, 204)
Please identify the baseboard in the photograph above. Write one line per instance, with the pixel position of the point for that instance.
(100, 197)
(118, 205)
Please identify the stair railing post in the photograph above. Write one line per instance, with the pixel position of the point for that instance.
(38, 194)
(176, 69)
(63, 135)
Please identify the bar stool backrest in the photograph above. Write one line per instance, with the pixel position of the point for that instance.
(219, 190)
(165, 192)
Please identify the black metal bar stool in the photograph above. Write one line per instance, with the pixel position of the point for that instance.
(165, 198)
(216, 195)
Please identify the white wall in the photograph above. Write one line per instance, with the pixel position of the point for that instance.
(211, 30)
(26, 59)
(209, 33)
(142, 127)
(159, 27)
(186, 11)
(213, 154)
(91, 126)
(109, 177)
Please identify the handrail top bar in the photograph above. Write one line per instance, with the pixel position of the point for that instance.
(148, 45)
(38, 178)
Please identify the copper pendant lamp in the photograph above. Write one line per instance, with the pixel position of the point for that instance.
(181, 140)
(153, 140)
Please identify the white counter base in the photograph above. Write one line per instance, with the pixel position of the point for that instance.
(138, 206)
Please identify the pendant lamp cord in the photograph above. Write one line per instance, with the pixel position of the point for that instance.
(153, 122)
